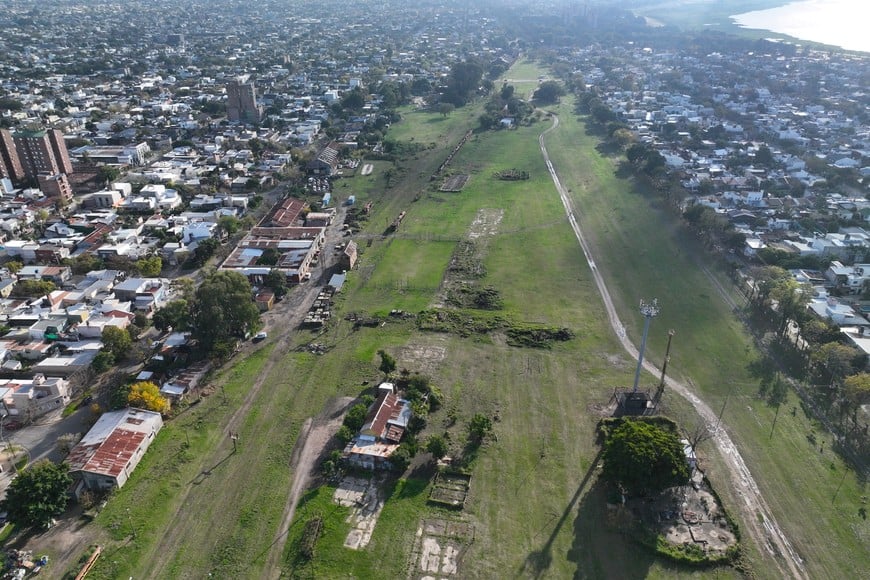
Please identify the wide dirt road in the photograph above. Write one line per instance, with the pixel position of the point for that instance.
(757, 517)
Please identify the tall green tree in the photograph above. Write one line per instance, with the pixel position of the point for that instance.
(38, 494)
(549, 92)
(388, 363)
(644, 458)
(857, 388)
(464, 80)
(149, 267)
(175, 315)
(277, 282)
(223, 311)
(116, 341)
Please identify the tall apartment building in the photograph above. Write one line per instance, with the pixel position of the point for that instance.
(242, 101)
(10, 164)
(24, 155)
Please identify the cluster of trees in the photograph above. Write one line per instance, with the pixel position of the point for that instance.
(218, 313)
(549, 92)
(818, 351)
(116, 344)
(644, 458)
(37, 494)
(463, 83)
(504, 103)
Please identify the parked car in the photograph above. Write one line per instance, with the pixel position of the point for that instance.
(260, 336)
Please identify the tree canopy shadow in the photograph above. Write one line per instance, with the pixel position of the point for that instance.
(601, 548)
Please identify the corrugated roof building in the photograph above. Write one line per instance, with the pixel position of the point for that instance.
(111, 450)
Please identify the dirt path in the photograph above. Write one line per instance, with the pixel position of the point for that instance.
(282, 323)
(757, 516)
(315, 436)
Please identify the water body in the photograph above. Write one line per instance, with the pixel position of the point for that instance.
(840, 23)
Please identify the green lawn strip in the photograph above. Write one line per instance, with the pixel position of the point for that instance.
(387, 553)
(364, 187)
(244, 496)
(640, 251)
(157, 488)
(406, 276)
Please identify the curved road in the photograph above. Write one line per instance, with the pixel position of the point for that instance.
(757, 516)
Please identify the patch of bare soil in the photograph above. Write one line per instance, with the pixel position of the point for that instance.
(423, 358)
(485, 223)
(459, 287)
(366, 498)
(439, 547)
(689, 516)
(64, 542)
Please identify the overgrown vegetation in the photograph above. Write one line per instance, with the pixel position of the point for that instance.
(464, 323)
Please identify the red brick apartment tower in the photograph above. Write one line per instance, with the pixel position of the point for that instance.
(10, 164)
(42, 152)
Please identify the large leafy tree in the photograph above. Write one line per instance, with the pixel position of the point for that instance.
(149, 267)
(549, 92)
(834, 360)
(146, 395)
(116, 341)
(388, 363)
(644, 458)
(175, 315)
(223, 311)
(464, 79)
(38, 494)
(857, 389)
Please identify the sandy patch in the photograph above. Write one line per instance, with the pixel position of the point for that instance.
(367, 501)
(485, 223)
(438, 548)
(423, 358)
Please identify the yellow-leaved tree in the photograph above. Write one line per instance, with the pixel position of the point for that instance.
(146, 395)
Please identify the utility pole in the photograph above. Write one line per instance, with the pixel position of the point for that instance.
(649, 311)
(722, 412)
(132, 527)
(661, 388)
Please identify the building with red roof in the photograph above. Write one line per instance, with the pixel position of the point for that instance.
(111, 450)
(382, 431)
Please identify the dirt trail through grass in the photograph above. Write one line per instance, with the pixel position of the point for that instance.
(285, 320)
(757, 516)
(314, 438)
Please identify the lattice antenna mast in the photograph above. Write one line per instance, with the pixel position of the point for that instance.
(649, 310)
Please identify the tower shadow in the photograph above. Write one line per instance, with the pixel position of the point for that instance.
(537, 562)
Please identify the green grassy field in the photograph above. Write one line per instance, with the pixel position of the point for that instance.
(644, 255)
(535, 504)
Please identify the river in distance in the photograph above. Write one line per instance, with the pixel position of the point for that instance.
(842, 23)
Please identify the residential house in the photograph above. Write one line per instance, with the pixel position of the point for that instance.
(26, 399)
(147, 294)
(382, 431)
